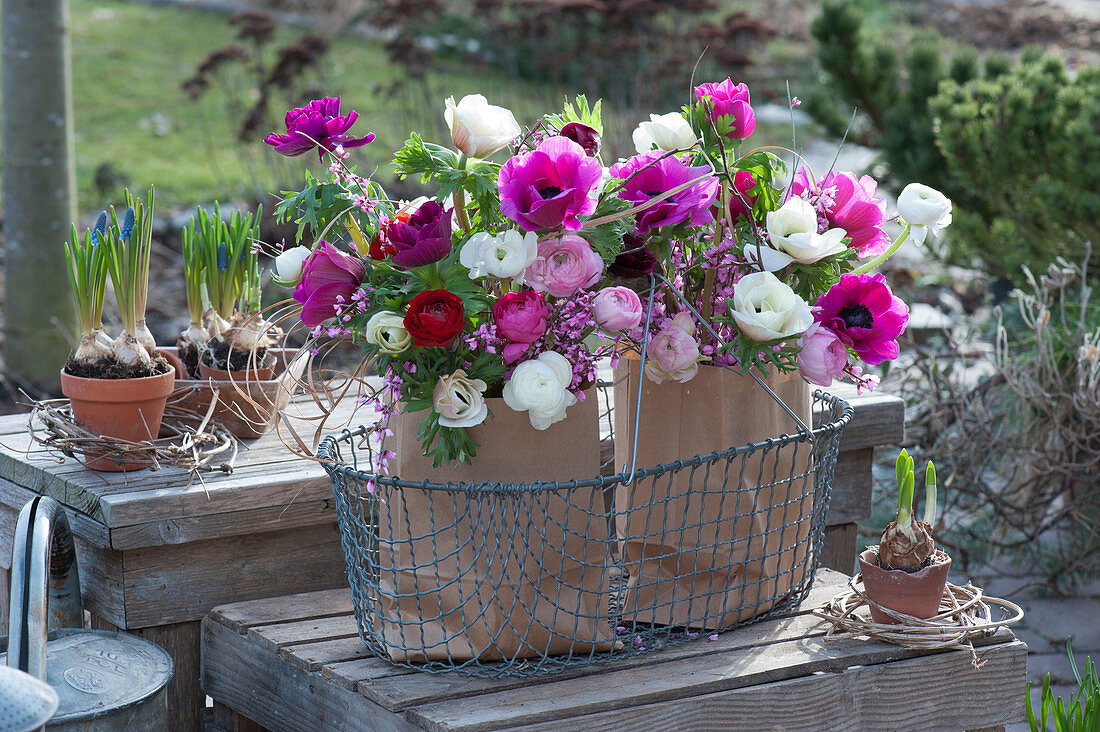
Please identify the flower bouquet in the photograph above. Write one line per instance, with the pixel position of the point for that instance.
(499, 295)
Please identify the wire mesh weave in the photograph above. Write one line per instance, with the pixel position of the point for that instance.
(515, 579)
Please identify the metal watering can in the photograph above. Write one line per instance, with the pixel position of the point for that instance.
(100, 680)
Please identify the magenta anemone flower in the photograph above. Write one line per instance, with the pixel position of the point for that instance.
(865, 315)
(653, 173)
(329, 277)
(850, 204)
(319, 124)
(728, 106)
(423, 238)
(550, 186)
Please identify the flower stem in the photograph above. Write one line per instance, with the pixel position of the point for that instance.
(460, 199)
(868, 266)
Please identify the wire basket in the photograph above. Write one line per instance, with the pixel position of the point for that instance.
(515, 579)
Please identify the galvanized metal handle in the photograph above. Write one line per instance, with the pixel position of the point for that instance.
(45, 584)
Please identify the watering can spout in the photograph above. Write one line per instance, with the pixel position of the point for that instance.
(45, 584)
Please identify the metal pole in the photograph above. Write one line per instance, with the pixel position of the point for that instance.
(39, 188)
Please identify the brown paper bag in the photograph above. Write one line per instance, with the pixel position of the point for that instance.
(512, 573)
(716, 544)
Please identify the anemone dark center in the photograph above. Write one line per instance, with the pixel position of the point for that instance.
(653, 194)
(856, 316)
(549, 192)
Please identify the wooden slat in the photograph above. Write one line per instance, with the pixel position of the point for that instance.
(943, 691)
(181, 582)
(850, 498)
(879, 418)
(255, 682)
(240, 616)
(400, 694)
(274, 637)
(312, 656)
(839, 552)
(657, 682)
(350, 674)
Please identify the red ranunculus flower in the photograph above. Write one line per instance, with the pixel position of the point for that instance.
(435, 317)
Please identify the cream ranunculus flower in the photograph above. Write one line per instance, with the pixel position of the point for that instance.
(386, 330)
(478, 128)
(458, 400)
(925, 209)
(288, 266)
(792, 233)
(767, 310)
(663, 132)
(506, 255)
(539, 387)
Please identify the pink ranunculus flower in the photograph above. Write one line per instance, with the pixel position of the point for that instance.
(865, 315)
(564, 266)
(728, 104)
(521, 319)
(616, 309)
(823, 356)
(550, 186)
(654, 173)
(673, 352)
(328, 274)
(848, 203)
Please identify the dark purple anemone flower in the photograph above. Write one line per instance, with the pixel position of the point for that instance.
(424, 238)
(550, 186)
(654, 173)
(319, 124)
(865, 314)
(583, 135)
(634, 259)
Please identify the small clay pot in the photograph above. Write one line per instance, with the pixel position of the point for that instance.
(917, 593)
(128, 409)
(266, 372)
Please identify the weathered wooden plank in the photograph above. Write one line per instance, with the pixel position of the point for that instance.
(15, 496)
(240, 616)
(302, 512)
(879, 418)
(274, 637)
(350, 674)
(850, 498)
(181, 582)
(943, 691)
(227, 720)
(312, 656)
(186, 699)
(839, 551)
(253, 681)
(251, 486)
(658, 682)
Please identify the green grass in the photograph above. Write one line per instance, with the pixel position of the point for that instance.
(129, 60)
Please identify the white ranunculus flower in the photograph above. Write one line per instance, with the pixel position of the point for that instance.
(539, 387)
(796, 216)
(478, 128)
(767, 310)
(386, 330)
(664, 132)
(925, 209)
(288, 265)
(803, 247)
(506, 255)
(458, 400)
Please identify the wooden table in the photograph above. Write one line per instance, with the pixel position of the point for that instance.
(295, 664)
(155, 555)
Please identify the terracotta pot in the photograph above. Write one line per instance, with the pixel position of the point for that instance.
(917, 593)
(266, 372)
(129, 409)
(246, 407)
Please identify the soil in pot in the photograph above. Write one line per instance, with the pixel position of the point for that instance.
(189, 356)
(221, 356)
(127, 409)
(913, 593)
(115, 370)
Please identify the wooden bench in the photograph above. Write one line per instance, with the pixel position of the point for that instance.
(296, 663)
(155, 555)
